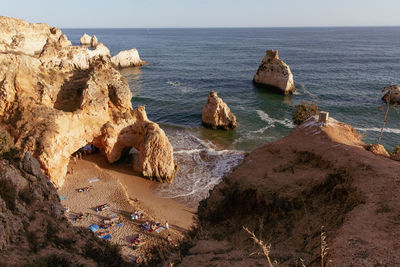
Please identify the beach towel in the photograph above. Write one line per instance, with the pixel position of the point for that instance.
(94, 228)
(161, 228)
(63, 198)
(119, 224)
(106, 237)
(146, 227)
(94, 179)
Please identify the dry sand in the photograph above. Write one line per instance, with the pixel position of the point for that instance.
(125, 192)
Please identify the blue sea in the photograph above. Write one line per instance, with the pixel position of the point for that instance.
(342, 69)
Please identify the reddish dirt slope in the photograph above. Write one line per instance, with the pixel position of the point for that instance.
(318, 176)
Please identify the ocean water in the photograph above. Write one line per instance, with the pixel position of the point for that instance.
(342, 69)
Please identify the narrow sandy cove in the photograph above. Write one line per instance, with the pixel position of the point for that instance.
(125, 192)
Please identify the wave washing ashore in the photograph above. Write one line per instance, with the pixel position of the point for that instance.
(342, 69)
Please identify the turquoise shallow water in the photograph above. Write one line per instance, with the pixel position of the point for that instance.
(342, 69)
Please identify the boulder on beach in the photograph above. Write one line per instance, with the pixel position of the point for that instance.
(85, 39)
(93, 41)
(274, 74)
(216, 113)
(127, 58)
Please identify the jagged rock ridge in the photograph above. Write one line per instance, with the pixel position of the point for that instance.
(55, 98)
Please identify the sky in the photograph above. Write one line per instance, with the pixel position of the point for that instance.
(204, 13)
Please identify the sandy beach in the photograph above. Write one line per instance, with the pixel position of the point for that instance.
(125, 192)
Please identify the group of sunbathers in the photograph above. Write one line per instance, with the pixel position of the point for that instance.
(137, 215)
(110, 222)
(150, 227)
(84, 189)
(102, 207)
(80, 217)
(137, 241)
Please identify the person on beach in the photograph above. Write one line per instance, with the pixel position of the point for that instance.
(169, 238)
(166, 225)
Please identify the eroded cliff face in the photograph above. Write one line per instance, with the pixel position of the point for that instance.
(318, 179)
(33, 228)
(55, 98)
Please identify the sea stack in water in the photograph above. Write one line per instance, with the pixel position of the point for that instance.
(127, 58)
(216, 113)
(56, 98)
(93, 41)
(274, 74)
(85, 39)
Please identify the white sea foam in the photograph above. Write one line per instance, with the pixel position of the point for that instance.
(271, 121)
(180, 86)
(375, 129)
(202, 166)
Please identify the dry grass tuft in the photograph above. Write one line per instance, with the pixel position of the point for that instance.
(324, 248)
(265, 248)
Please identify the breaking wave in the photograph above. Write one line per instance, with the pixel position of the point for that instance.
(202, 166)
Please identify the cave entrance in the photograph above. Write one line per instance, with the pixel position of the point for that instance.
(130, 155)
(86, 150)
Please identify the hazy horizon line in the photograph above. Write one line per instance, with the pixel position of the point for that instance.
(236, 27)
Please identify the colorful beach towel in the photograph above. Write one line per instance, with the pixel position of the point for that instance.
(106, 237)
(94, 228)
(94, 179)
(63, 198)
(119, 224)
(161, 228)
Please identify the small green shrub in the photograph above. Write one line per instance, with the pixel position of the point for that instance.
(304, 111)
(8, 193)
(6, 142)
(395, 151)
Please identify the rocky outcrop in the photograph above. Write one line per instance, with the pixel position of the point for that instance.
(34, 230)
(127, 58)
(317, 179)
(216, 114)
(378, 150)
(56, 98)
(93, 41)
(393, 95)
(85, 39)
(274, 74)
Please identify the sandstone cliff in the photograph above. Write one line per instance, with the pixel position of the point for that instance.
(274, 74)
(319, 178)
(55, 98)
(216, 113)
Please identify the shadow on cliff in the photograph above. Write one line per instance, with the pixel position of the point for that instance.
(69, 96)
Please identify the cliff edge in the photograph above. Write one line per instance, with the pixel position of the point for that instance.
(318, 179)
(56, 98)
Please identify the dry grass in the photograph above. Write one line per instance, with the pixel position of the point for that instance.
(264, 247)
(324, 248)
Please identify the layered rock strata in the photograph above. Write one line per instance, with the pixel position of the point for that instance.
(127, 58)
(274, 74)
(216, 114)
(55, 98)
